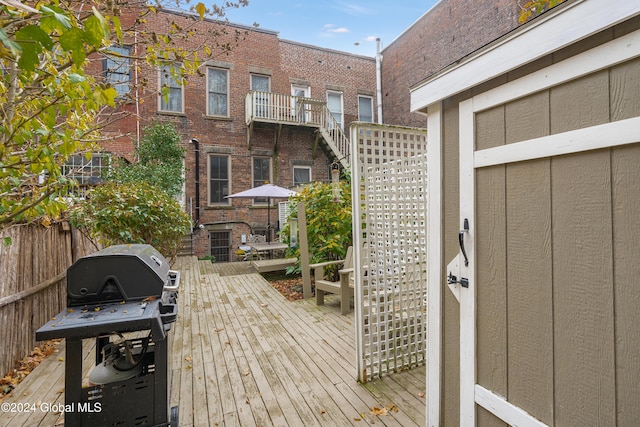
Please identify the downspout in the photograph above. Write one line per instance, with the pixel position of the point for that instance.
(379, 79)
(196, 144)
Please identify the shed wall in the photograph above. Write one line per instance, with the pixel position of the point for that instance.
(557, 292)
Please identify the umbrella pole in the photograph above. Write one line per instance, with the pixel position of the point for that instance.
(268, 219)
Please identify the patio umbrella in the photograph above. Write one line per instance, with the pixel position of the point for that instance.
(270, 191)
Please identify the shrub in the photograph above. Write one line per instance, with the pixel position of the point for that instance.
(132, 213)
(329, 229)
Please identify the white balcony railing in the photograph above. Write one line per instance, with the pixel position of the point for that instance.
(269, 107)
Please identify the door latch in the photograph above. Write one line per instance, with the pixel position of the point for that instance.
(451, 279)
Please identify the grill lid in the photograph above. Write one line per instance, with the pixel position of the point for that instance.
(117, 273)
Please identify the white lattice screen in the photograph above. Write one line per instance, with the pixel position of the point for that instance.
(389, 178)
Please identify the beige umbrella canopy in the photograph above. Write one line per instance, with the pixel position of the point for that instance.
(268, 191)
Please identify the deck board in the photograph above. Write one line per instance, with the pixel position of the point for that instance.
(241, 354)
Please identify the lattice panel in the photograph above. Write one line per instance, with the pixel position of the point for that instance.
(390, 182)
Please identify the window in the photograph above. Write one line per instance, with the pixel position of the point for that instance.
(220, 245)
(299, 109)
(301, 175)
(261, 84)
(171, 90)
(261, 174)
(218, 89)
(365, 108)
(334, 103)
(218, 180)
(85, 171)
(116, 69)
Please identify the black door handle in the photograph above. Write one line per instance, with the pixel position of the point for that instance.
(461, 241)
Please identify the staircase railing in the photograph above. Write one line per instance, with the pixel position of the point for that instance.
(272, 107)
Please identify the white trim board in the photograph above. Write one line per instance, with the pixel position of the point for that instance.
(508, 412)
(569, 24)
(592, 138)
(599, 58)
(434, 254)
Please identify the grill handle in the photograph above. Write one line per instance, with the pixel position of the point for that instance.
(176, 283)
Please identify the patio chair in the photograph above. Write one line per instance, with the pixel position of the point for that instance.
(343, 287)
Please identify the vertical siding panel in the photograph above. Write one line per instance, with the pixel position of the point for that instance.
(529, 288)
(527, 118)
(581, 103)
(491, 286)
(582, 289)
(490, 128)
(625, 90)
(626, 229)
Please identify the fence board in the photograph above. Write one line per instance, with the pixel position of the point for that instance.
(33, 283)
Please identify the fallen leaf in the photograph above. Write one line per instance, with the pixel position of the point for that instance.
(188, 358)
(246, 373)
(379, 411)
(421, 394)
(263, 305)
(357, 419)
(218, 329)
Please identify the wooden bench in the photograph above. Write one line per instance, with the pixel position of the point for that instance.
(268, 265)
(343, 287)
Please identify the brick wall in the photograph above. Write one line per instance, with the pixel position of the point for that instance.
(261, 52)
(451, 30)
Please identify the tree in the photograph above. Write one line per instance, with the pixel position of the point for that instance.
(159, 160)
(535, 7)
(52, 107)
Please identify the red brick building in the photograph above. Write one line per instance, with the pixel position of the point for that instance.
(263, 111)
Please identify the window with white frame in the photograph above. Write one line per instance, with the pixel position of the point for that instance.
(261, 83)
(218, 92)
(219, 179)
(334, 103)
(365, 109)
(86, 171)
(301, 175)
(171, 93)
(261, 174)
(116, 69)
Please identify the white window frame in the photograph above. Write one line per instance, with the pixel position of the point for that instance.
(223, 70)
(161, 80)
(294, 174)
(370, 98)
(116, 69)
(223, 202)
(341, 112)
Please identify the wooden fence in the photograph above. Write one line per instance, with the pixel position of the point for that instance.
(33, 283)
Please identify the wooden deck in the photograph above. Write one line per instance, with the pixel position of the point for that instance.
(243, 355)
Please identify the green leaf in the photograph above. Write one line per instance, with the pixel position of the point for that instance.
(76, 78)
(10, 44)
(72, 41)
(58, 16)
(34, 33)
(7, 241)
(29, 57)
(117, 26)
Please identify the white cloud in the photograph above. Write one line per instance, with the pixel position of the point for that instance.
(332, 28)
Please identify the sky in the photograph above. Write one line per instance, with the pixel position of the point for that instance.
(346, 25)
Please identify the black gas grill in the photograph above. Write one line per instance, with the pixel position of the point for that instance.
(123, 289)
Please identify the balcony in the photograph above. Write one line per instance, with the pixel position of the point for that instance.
(285, 110)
